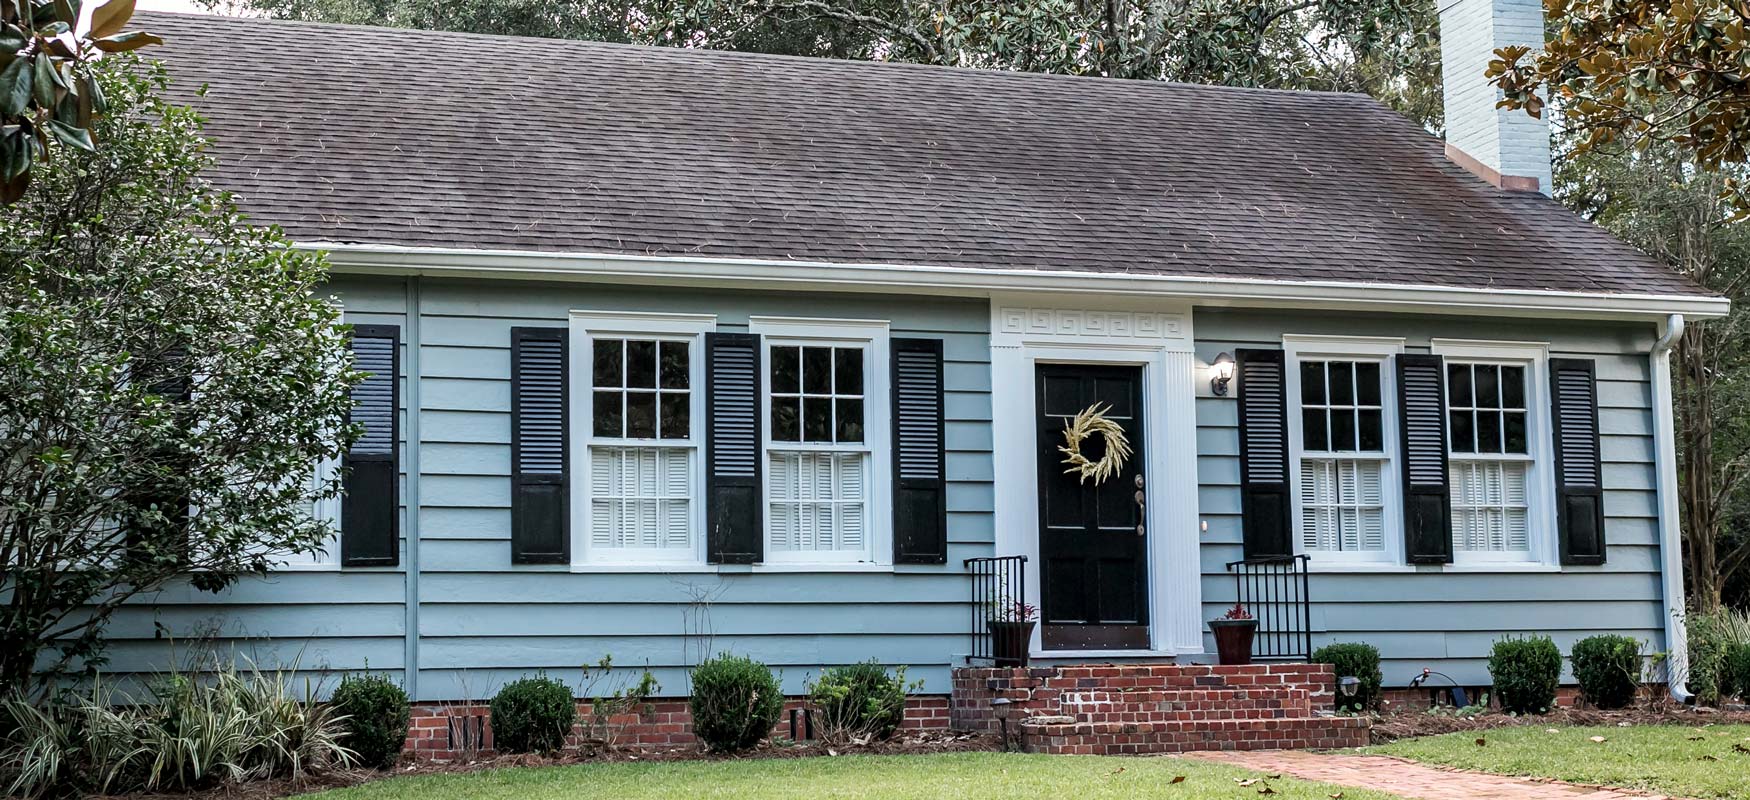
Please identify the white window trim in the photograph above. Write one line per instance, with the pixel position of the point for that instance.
(1539, 480)
(326, 509)
(586, 327)
(875, 336)
(1383, 349)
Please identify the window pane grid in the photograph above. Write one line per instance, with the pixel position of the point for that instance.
(1486, 408)
(1341, 407)
(641, 497)
(817, 394)
(1342, 504)
(642, 389)
(818, 501)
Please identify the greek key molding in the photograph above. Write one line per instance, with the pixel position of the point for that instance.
(1088, 324)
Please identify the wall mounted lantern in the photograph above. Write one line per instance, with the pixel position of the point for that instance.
(1221, 370)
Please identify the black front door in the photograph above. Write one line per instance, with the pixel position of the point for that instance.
(1092, 543)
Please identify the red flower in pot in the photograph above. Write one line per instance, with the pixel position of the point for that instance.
(1233, 635)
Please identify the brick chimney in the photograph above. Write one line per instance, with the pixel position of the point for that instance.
(1505, 147)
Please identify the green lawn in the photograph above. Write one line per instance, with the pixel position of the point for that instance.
(1671, 759)
(997, 776)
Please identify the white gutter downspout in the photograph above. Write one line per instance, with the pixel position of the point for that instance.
(1670, 531)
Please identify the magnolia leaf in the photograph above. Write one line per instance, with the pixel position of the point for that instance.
(15, 87)
(1597, 740)
(45, 81)
(109, 19)
(67, 11)
(11, 41)
(15, 152)
(71, 136)
(132, 40)
(1176, 779)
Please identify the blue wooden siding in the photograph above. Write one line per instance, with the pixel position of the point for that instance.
(1447, 621)
(483, 621)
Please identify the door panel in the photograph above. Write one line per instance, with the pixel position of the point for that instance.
(1093, 550)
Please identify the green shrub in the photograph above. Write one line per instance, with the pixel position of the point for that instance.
(1712, 639)
(532, 715)
(1738, 667)
(1359, 660)
(376, 718)
(860, 702)
(195, 730)
(735, 702)
(1526, 672)
(1608, 669)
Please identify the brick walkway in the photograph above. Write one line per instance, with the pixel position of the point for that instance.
(1408, 779)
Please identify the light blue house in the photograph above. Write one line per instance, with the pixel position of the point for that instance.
(680, 352)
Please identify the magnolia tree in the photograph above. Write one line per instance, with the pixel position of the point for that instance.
(169, 380)
(48, 91)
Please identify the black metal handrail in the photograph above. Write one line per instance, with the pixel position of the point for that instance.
(999, 583)
(1277, 591)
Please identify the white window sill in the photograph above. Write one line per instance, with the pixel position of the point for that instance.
(728, 568)
(1501, 566)
(306, 568)
(1316, 566)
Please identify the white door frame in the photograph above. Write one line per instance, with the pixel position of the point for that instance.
(1157, 336)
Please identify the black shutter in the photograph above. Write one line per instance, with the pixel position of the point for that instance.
(1579, 473)
(1427, 491)
(540, 519)
(920, 485)
(732, 449)
(1267, 509)
(167, 537)
(370, 508)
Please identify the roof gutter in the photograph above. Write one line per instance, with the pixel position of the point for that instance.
(981, 282)
(1670, 531)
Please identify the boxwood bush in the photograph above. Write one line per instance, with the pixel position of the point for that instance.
(1608, 669)
(532, 715)
(859, 701)
(1526, 672)
(1359, 660)
(735, 703)
(376, 718)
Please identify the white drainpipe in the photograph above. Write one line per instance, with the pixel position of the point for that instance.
(1670, 531)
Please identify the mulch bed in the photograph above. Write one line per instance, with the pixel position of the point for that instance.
(1405, 724)
(924, 743)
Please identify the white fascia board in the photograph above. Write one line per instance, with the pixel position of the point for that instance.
(982, 282)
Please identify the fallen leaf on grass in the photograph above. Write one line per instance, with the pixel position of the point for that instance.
(1177, 779)
(1697, 738)
(1266, 790)
(1738, 748)
(1245, 781)
(1336, 796)
(1709, 758)
(1481, 742)
(1276, 777)
(1598, 739)
(1550, 730)
(1118, 770)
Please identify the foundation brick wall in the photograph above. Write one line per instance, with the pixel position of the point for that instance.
(439, 731)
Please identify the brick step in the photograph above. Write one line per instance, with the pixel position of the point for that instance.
(1258, 702)
(1183, 736)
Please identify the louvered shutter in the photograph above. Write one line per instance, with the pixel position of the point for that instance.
(1579, 473)
(732, 449)
(166, 536)
(920, 486)
(540, 518)
(1265, 504)
(1427, 488)
(370, 509)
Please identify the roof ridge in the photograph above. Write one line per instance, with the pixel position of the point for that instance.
(1142, 84)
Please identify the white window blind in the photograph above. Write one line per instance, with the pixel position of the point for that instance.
(1342, 503)
(818, 501)
(1489, 508)
(641, 497)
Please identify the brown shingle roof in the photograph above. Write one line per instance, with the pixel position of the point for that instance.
(351, 134)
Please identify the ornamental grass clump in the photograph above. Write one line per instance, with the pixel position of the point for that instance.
(376, 718)
(1608, 669)
(533, 715)
(1526, 672)
(860, 703)
(735, 703)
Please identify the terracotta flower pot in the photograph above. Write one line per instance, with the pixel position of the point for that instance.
(1008, 642)
(1233, 639)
